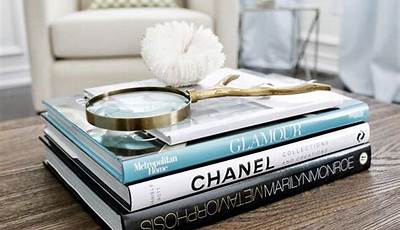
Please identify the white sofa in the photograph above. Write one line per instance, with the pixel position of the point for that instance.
(72, 48)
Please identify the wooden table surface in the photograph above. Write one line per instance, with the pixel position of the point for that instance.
(31, 197)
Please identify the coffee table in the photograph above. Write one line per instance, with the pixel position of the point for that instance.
(31, 197)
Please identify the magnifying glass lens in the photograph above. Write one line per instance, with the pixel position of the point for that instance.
(138, 104)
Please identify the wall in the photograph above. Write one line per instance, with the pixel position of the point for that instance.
(14, 64)
(329, 34)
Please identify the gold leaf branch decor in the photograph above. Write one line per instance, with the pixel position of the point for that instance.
(221, 90)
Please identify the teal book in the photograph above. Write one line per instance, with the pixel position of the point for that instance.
(137, 156)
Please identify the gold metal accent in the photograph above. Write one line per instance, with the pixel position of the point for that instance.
(159, 121)
(221, 90)
(132, 124)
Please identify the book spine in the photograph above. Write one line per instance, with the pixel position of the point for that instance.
(160, 190)
(233, 199)
(233, 145)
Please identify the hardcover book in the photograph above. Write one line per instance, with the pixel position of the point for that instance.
(218, 115)
(214, 204)
(141, 195)
(132, 157)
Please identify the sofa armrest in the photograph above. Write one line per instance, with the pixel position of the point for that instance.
(38, 16)
(226, 15)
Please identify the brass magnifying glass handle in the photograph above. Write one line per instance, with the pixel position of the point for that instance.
(221, 90)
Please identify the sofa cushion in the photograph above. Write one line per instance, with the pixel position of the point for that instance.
(85, 4)
(112, 32)
(107, 4)
(65, 74)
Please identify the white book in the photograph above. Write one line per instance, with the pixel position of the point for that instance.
(218, 115)
(185, 183)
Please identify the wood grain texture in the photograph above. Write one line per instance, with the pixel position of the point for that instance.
(31, 197)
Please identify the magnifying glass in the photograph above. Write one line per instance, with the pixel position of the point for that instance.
(128, 144)
(144, 108)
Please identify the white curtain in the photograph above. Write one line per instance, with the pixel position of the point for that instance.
(369, 55)
(268, 37)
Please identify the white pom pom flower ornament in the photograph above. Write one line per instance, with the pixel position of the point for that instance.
(181, 54)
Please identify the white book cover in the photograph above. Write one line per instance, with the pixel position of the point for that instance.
(218, 115)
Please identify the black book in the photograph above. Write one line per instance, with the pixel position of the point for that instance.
(211, 205)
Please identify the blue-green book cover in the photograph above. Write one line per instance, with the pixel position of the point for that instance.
(137, 156)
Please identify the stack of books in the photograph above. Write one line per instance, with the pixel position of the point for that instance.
(231, 154)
